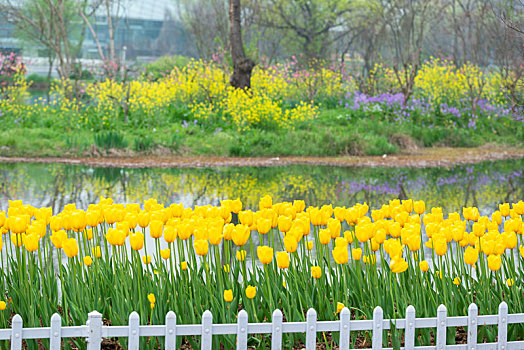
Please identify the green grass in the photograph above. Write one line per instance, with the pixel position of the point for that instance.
(333, 133)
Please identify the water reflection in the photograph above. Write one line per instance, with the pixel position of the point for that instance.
(483, 185)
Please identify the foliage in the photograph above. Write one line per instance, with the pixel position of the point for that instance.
(296, 109)
(110, 140)
(397, 255)
(164, 66)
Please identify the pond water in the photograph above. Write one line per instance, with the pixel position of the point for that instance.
(484, 185)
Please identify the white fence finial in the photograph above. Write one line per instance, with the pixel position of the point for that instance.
(442, 322)
(473, 312)
(242, 330)
(502, 339)
(311, 329)
(345, 331)
(94, 323)
(409, 338)
(276, 330)
(55, 336)
(134, 331)
(16, 335)
(378, 324)
(206, 341)
(170, 331)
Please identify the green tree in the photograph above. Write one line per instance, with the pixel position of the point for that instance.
(310, 25)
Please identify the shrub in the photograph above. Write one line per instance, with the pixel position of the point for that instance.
(110, 139)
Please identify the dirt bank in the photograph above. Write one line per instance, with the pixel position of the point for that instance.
(427, 157)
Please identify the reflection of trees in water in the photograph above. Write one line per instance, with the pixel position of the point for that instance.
(56, 185)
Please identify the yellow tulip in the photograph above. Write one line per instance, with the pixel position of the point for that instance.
(146, 259)
(31, 242)
(78, 220)
(340, 255)
(324, 236)
(284, 223)
(340, 306)
(471, 256)
(87, 260)
(504, 209)
(165, 253)
(419, 207)
(228, 295)
(424, 266)
(241, 255)
(236, 206)
(456, 281)
(240, 234)
(408, 205)
(494, 262)
(282, 260)
(348, 235)
(316, 272)
(263, 225)
(170, 234)
(251, 292)
(136, 240)
(201, 247)
(440, 246)
(265, 202)
(497, 217)
(509, 282)
(183, 265)
(265, 254)
(151, 298)
(309, 245)
(143, 219)
(519, 207)
(70, 247)
(215, 235)
(356, 254)
(17, 224)
(155, 228)
(398, 265)
(246, 217)
(334, 227)
(89, 234)
(510, 240)
(290, 243)
(96, 251)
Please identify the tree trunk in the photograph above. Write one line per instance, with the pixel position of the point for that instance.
(242, 65)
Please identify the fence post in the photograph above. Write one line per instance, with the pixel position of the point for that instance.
(134, 331)
(16, 333)
(242, 330)
(442, 314)
(55, 336)
(378, 321)
(473, 312)
(345, 319)
(207, 331)
(311, 329)
(502, 339)
(276, 331)
(409, 335)
(94, 323)
(170, 331)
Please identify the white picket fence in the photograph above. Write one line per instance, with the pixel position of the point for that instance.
(94, 331)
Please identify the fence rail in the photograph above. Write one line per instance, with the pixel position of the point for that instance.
(94, 331)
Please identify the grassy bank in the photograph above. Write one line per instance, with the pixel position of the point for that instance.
(333, 133)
